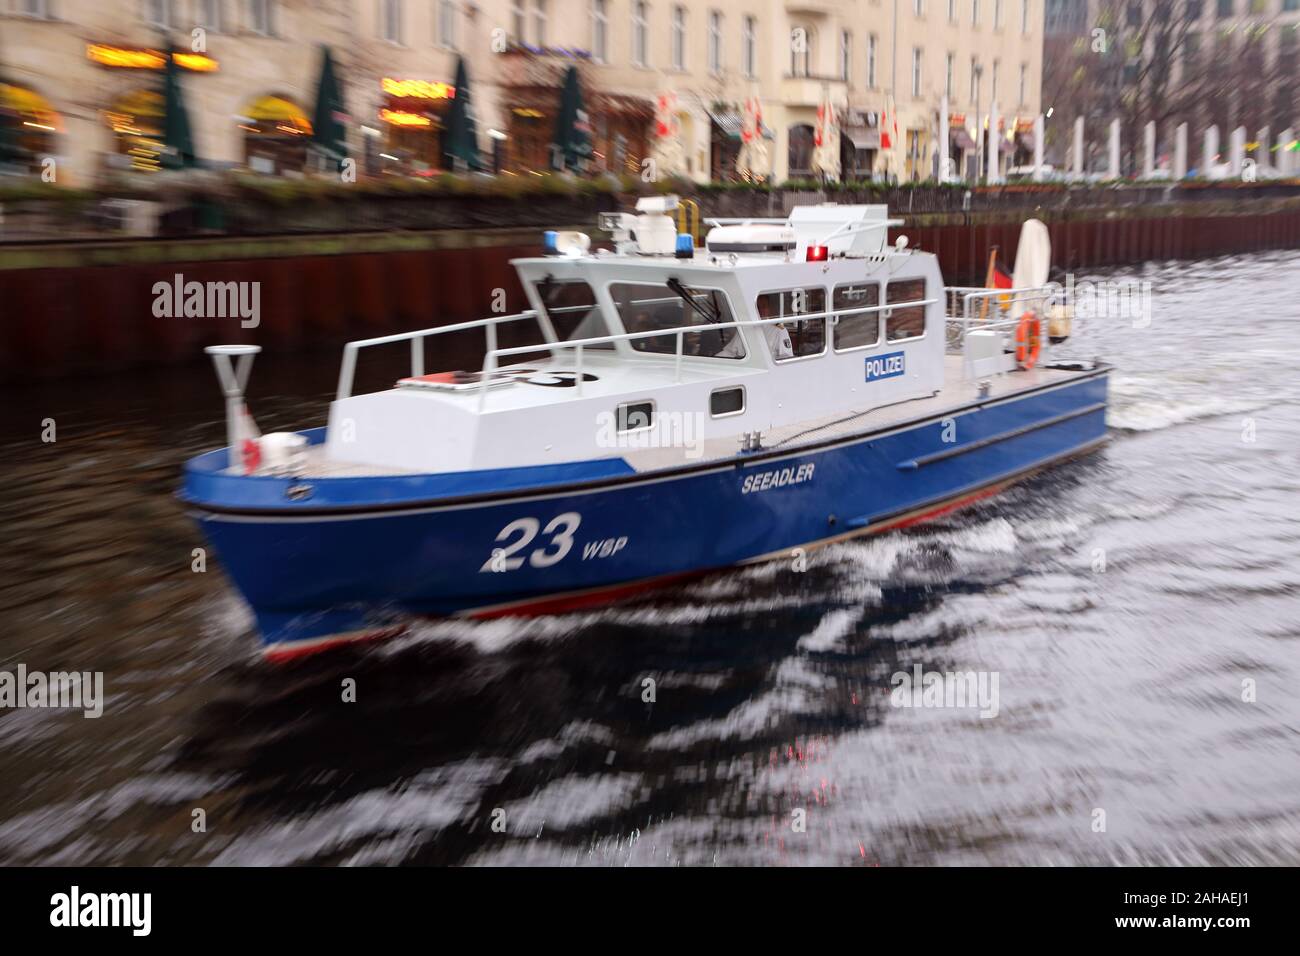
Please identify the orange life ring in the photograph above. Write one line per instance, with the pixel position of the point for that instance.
(1029, 340)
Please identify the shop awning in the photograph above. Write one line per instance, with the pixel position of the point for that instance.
(863, 138)
(29, 103)
(277, 109)
(729, 124)
(961, 138)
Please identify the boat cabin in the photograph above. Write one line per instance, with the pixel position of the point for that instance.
(659, 349)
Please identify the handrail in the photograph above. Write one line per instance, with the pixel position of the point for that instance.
(491, 364)
(348, 370)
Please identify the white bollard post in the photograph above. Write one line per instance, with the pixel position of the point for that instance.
(1112, 168)
(1076, 165)
(945, 140)
(1180, 152)
(1148, 150)
(1040, 123)
(1209, 151)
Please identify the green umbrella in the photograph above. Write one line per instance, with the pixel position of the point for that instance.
(176, 136)
(327, 120)
(571, 147)
(460, 144)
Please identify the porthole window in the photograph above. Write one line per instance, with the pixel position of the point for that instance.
(635, 416)
(727, 401)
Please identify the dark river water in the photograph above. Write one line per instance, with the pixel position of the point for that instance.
(1140, 609)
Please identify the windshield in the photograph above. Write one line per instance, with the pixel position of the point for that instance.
(646, 307)
(571, 306)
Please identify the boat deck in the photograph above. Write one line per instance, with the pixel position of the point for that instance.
(956, 393)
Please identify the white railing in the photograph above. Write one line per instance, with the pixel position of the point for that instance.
(994, 303)
(983, 309)
(491, 363)
(489, 325)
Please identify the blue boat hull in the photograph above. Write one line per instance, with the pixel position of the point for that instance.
(339, 566)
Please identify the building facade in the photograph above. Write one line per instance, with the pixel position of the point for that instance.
(82, 77)
(1207, 63)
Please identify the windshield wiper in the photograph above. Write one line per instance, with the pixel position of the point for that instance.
(711, 314)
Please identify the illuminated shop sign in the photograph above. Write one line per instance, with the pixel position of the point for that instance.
(123, 58)
(417, 89)
(403, 118)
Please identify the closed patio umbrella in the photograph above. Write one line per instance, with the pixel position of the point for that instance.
(460, 147)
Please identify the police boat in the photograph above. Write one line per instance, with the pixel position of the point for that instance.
(674, 410)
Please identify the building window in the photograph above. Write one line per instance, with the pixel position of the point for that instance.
(390, 22)
(447, 23)
(871, 61)
(1225, 9)
(918, 7)
(974, 81)
(157, 13)
(207, 14)
(679, 38)
(993, 82)
(916, 71)
(39, 9)
(715, 42)
(952, 11)
(947, 75)
(1024, 82)
(974, 13)
(517, 20)
(801, 51)
(905, 323)
(640, 30)
(261, 17)
(846, 56)
(997, 14)
(1024, 16)
(539, 22)
(749, 43)
(599, 30)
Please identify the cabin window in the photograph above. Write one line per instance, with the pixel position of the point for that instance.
(645, 307)
(854, 329)
(727, 401)
(634, 416)
(571, 306)
(807, 336)
(906, 323)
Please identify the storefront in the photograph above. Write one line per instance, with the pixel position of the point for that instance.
(276, 135)
(28, 129)
(620, 132)
(916, 164)
(800, 152)
(1023, 144)
(961, 146)
(136, 121)
(860, 144)
(725, 129)
(135, 117)
(412, 119)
